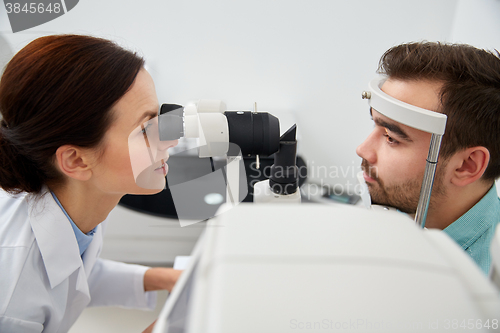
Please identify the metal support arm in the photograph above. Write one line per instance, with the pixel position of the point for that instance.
(427, 182)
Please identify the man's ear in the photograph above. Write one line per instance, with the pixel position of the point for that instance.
(74, 162)
(469, 165)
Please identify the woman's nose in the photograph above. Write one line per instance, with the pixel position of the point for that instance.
(164, 145)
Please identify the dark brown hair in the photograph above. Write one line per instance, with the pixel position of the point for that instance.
(470, 95)
(57, 90)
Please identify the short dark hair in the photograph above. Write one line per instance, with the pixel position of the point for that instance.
(470, 95)
(58, 90)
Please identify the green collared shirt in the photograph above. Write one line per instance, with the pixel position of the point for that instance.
(474, 230)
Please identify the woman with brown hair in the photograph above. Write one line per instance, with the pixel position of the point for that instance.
(69, 104)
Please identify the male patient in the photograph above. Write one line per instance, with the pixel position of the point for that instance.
(464, 83)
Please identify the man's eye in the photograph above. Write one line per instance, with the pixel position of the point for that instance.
(390, 139)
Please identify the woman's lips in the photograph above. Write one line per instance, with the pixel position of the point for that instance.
(163, 168)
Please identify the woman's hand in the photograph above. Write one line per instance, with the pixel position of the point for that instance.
(160, 278)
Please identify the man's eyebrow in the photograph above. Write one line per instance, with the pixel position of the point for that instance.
(147, 114)
(392, 127)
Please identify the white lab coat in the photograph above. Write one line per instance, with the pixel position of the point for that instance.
(44, 283)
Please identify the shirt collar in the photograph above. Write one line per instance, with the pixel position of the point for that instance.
(470, 226)
(83, 240)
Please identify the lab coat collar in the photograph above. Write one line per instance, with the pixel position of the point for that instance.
(56, 240)
(93, 250)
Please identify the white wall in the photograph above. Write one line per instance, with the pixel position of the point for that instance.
(477, 22)
(310, 57)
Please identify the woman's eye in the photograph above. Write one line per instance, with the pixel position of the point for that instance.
(144, 130)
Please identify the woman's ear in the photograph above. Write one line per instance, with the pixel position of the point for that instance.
(470, 165)
(74, 162)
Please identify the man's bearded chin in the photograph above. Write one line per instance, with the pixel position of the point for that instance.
(403, 196)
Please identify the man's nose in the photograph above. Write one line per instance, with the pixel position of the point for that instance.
(367, 149)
